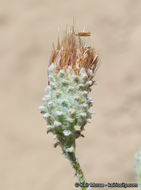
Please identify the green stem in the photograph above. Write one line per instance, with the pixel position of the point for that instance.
(79, 173)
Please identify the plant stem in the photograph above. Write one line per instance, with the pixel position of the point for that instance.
(79, 173)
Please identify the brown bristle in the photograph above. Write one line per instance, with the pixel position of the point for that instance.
(71, 51)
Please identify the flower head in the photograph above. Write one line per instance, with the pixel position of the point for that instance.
(70, 76)
(67, 107)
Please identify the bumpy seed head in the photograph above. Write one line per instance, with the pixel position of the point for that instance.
(70, 76)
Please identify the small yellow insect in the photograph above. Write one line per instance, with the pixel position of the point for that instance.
(83, 34)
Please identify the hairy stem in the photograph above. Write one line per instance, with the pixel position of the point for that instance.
(79, 173)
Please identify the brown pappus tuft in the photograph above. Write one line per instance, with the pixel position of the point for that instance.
(71, 51)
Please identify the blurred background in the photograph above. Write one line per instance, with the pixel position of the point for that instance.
(27, 30)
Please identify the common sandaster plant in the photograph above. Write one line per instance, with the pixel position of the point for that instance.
(67, 107)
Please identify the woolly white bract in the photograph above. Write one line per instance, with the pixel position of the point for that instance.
(66, 104)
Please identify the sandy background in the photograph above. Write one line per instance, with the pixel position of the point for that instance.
(27, 30)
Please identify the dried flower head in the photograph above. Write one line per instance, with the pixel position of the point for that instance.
(67, 106)
(71, 51)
